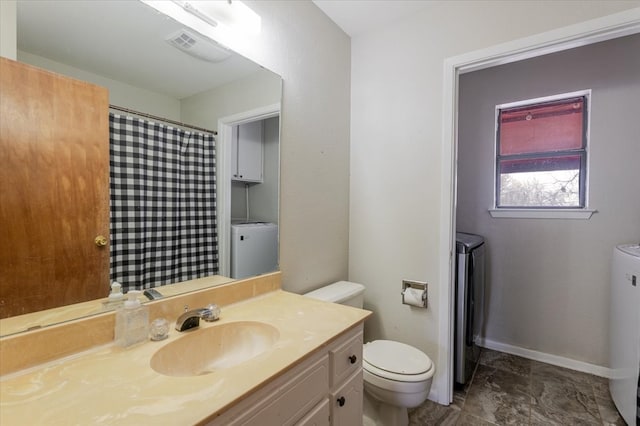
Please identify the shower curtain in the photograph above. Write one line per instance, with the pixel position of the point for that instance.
(163, 203)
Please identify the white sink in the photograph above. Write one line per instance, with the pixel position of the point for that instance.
(206, 350)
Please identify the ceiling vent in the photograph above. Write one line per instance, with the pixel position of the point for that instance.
(198, 46)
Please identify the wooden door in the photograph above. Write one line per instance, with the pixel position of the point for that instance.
(54, 189)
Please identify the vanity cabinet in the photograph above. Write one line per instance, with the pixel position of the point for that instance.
(323, 390)
(247, 152)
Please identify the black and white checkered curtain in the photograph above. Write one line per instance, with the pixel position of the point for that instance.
(163, 203)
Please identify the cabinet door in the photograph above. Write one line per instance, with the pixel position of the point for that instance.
(284, 401)
(319, 416)
(54, 189)
(295, 398)
(347, 400)
(249, 152)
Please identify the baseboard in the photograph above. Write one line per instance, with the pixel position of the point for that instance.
(560, 361)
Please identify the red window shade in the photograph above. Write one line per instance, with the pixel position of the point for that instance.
(541, 128)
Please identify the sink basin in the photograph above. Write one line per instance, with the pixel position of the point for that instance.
(206, 350)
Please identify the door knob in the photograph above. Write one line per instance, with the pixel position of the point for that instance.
(100, 241)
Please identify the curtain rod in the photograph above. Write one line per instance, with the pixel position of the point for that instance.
(166, 120)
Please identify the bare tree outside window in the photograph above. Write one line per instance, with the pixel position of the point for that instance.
(540, 189)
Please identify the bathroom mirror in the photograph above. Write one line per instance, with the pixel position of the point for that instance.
(123, 46)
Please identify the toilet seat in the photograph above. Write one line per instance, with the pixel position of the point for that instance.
(396, 361)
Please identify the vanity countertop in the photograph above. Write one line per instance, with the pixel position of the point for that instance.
(112, 385)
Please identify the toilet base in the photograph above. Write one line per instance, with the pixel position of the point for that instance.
(377, 413)
(393, 416)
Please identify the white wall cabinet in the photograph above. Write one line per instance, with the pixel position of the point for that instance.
(324, 390)
(247, 152)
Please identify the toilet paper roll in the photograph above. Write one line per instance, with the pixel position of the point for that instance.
(413, 296)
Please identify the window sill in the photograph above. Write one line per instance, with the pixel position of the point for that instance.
(542, 213)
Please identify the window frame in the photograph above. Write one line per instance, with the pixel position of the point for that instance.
(582, 211)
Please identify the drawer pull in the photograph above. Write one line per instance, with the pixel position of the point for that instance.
(353, 359)
(341, 401)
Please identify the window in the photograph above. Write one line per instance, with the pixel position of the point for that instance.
(541, 153)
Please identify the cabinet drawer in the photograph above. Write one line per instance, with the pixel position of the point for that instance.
(347, 401)
(319, 416)
(346, 358)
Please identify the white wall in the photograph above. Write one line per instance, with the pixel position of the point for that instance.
(548, 280)
(256, 90)
(312, 55)
(8, 29)
(120, 94)
(396, 132)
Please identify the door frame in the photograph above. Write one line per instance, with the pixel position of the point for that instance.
(223, 177)
(584, 33)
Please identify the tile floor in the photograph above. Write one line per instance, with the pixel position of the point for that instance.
(510, 390)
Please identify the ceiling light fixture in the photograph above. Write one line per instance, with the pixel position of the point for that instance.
(224, 21)
(189, 7)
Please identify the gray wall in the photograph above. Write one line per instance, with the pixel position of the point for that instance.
(548, 279)
(264, 197)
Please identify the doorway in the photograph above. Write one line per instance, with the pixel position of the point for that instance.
(585, 33)
(224, 172)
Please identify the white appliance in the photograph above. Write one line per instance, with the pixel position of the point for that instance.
(625, 330)
(254, 249)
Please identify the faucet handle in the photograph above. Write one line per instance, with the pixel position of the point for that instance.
(211, 313)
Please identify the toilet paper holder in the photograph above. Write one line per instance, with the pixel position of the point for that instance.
(414, 293)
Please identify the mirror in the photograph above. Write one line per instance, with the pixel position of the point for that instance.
(122, 46)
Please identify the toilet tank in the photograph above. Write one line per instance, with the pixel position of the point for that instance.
(342, 292)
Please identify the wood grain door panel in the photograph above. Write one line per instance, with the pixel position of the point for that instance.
(54, 189)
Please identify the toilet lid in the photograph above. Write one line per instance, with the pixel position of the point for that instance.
(396, 357)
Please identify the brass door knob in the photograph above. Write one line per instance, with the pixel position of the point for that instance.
(100, 241)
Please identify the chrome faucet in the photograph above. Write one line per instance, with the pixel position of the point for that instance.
(191, 319)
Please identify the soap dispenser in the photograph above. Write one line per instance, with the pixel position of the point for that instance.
(116, 298)
(132, 321)
(116, 292)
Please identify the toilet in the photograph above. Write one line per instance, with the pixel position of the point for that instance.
(396, 376)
